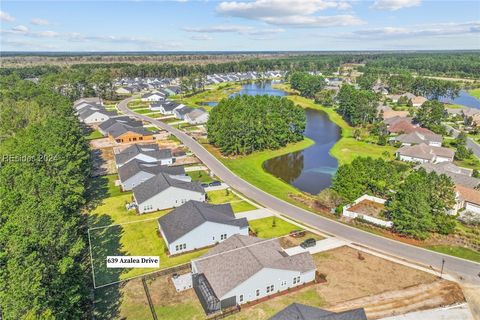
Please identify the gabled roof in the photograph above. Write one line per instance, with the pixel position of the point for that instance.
(297, 311)
(238, 258)
(119, 129)
(460, 176)
(88, 112)
(469, 194)
(183, 110)
(88, 100)
(120, 119)
(196, 113)
(426, 152)
(149, 94)
(159, 183)
(417, 137)
(151, 150)
(136, 166)
(192, 214)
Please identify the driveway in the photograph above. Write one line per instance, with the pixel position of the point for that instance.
(462, 269)
(321, 245)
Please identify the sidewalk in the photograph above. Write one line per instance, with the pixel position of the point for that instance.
(255, 214)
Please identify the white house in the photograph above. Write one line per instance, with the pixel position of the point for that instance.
(125, 90)
(135, 172)
(90, 116)
(243, 269)
(196, 116)
(163, 192)
(145, 153)
(369, 209)
(195, 225)
(153, 96)
(423, 153)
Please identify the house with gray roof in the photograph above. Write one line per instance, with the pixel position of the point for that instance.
(124, 133)
(145, 153)
(164, 192)
(94, 115)
(153, 96)
(165, 107)
(180, 112)
(423, 153)
(460, 176)
(197, 116)
(297, 311)
(244, 268)
(104, 126)
(417, 137)
(136, 172)
(195, 225)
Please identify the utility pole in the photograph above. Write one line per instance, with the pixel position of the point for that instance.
(441, 271)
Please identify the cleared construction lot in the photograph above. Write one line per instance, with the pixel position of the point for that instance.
(382, 287)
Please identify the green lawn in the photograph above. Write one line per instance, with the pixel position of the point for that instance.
(475, 93)
(241, 206)
(94, 135)
(472, 163)
(134, 239)
(200, 176)
(264, 228)
(460, 252)
(221, 196)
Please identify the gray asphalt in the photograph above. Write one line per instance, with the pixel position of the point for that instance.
(463, 270)
(471, 144)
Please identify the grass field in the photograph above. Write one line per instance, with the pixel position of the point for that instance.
(221, 196)
(94, 135)
(134, 239)
(460, 252)
(475, 93)
(271, 227)
(200, 176)
(241, 206)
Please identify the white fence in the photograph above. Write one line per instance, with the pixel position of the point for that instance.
(351, 214)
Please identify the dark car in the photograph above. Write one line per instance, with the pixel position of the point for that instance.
(215, 184)
(204, 185)
(310, 242)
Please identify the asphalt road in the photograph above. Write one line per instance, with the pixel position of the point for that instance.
(465, 271)
(471, 144)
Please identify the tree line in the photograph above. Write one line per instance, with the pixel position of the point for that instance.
(244, 124)
(45, 164)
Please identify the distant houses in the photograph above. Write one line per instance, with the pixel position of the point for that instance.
(147, 153)
(195, 225)
(163, 192)
(243, 269)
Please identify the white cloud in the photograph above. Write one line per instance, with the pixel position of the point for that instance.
(394, 5)
(297, 13)
(20, 29)
(425, 30)
(4, 16)
(201, 37)
(245, 30)
(40, 22)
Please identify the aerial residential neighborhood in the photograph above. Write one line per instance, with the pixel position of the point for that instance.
(240, 160)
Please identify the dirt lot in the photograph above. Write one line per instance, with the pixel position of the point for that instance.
(103, 162)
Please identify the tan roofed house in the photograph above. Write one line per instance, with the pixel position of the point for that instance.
(424, 153)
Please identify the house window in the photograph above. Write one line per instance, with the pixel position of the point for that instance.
(223, 236)
(284, 283)
(240, 298)
(257, 292)
(296, 280)
(270, 288)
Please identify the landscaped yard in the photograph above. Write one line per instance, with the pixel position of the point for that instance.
(200, 176)
(221, 196)
(134, 239)
(460, 252)
(272, 227)
(94, 135)
(242, 206)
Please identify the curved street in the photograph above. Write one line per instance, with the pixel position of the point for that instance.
(459, 268)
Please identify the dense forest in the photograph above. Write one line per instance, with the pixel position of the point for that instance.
(244, 124)
(45, 164)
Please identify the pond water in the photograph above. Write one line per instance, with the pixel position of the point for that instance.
(311, 169)
(464, 98)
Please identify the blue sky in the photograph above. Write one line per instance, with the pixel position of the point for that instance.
(239, 25)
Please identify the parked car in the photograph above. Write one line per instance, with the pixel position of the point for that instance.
(297, 233)
(205, 185)
(215, 184)
(310, 242)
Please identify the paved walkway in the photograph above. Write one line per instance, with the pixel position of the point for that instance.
(222, 186)
(321, 245)
(460, 312)
(255, 214)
